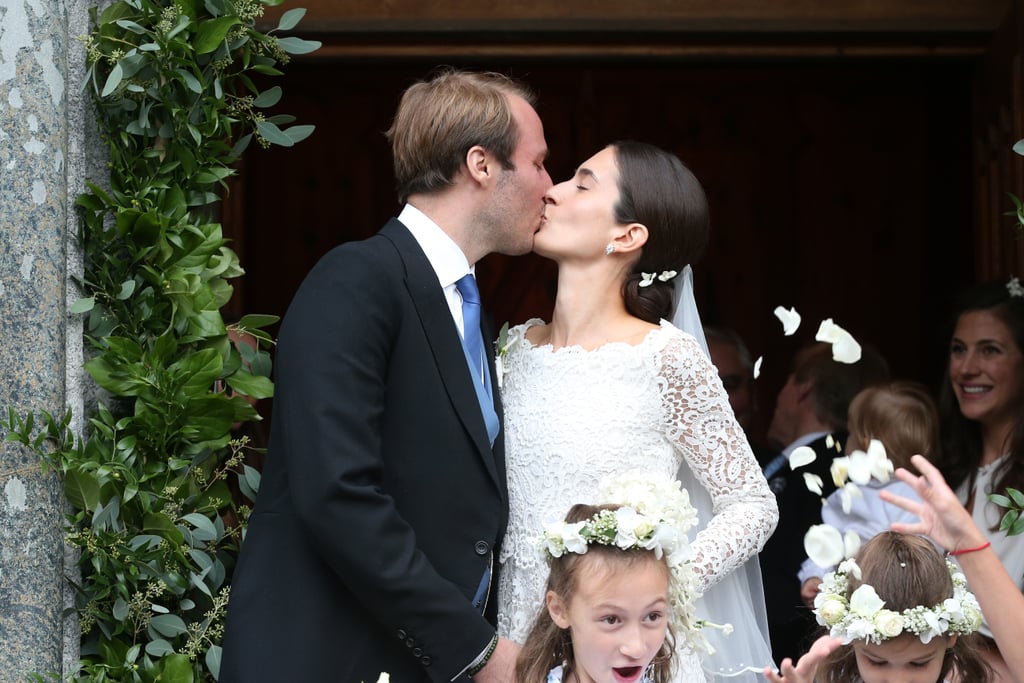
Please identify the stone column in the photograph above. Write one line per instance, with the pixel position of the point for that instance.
(46, 149)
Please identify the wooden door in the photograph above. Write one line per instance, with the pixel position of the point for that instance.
(998, 124)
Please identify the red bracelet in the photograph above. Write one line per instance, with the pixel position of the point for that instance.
(964, 551)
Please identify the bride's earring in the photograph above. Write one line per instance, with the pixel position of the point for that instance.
(609, 249)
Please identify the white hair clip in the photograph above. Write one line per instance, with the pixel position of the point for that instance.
(647, 279)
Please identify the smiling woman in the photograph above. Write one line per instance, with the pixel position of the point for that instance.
(982, 406)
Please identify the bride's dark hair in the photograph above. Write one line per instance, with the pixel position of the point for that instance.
(657, 190)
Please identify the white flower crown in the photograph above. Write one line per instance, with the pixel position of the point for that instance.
(654, 514)
(863, 616)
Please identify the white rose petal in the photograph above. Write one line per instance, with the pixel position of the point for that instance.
(804, 455)
(860, 468)
(813, 482)
(851, 543)
(881, 467)
(790, 320)
(845, 348)
(844, 498)
(824, 545)
(829, 441)
(757, 366)
(384, 678)
(840, 469)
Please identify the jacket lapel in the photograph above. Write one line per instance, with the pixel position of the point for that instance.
(443, 339)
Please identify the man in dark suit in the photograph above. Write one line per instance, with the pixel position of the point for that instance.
(810, 411)
(383, 502)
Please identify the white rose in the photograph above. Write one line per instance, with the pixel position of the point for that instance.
(889, 623)
(831, 610)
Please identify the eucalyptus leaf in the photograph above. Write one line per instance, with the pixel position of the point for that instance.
(273, 134)
(212, 32)
(83, 305)
(299, 133)
(158, 647)
(291, 19)
(298, 46)
(268, 98)
(113, 80)
(1018, 147)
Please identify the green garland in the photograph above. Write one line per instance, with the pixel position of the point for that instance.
(150, 483)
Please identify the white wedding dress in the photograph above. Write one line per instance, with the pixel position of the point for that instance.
(574, 417)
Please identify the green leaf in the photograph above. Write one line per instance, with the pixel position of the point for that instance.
(113, 80)
(1018, 147)
(191, 82)
(212, 33)
(298, 46)
(273, 134)
(120, 610)
(177, 669)
(202, 524)
(257, 320)
(159, 648)
(129, 25)
(291, 19)
(268, 98)
(82, 489)
(1017, 496)
(251, 385)
(169, 625)
(127, 289)
(299, 133)
(213, 658)
(83, 305)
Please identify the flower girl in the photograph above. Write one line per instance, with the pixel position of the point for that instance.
(899, 612)
(619, 593)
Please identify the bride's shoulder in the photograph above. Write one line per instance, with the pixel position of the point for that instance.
(533, 330)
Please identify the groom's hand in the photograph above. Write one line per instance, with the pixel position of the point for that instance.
(501, 667)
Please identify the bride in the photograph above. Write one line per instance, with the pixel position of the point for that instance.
(609, 386)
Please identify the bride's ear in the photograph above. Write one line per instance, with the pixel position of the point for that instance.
(630, 238)
(557, 609)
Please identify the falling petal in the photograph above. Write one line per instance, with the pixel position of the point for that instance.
(790, 319)
(881, 467)
(844, 498)
(851, 543)
(813, 482)
(757, 366)
(845, 348)
(860, 468)
(829, 441)
(824, 545)
(840, 470)
(804, 455)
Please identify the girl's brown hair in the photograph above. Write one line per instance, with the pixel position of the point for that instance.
(548, 646)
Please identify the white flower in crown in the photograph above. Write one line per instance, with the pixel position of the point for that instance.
(1014, 287)
(845, 348)
(647, 279)
(863, 615)
(790, 320)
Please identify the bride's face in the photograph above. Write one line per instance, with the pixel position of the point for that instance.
(578, 217)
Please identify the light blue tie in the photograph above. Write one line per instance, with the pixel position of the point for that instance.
(473, 344)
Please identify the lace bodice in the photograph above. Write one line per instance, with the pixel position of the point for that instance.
(574, 417)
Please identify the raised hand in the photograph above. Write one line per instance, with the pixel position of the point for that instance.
(804, 670)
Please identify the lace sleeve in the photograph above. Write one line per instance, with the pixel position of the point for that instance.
(700, 424)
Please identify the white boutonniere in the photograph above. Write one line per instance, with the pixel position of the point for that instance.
(500, 349)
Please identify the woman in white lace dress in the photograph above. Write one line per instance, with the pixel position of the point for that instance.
(608, 386)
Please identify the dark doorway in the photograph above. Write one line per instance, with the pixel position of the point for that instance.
(839, 187)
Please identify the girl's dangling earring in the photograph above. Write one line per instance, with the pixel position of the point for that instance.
(609, 249)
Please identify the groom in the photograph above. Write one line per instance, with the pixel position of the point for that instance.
(383, 502)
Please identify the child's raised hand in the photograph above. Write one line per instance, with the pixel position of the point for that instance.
(804, 670)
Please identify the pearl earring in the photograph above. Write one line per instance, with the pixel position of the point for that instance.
(609, 249)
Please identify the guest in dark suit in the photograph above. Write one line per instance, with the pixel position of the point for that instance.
(383, 499)
(810, 411)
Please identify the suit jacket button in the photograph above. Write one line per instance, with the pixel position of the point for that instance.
(410, 642)
(401, 634)
(481, 548)
(425, 660)
(417, 652)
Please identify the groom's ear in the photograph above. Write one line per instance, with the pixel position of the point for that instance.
(631, 237)
(557, 609)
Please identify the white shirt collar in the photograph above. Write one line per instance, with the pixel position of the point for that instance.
(445, 256)
(803, 441)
